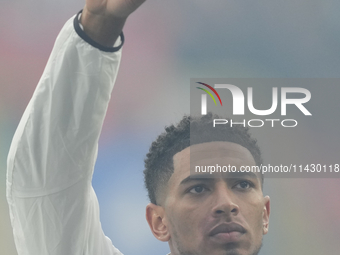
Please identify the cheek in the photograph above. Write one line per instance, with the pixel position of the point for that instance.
(187, 222)
(253, 213)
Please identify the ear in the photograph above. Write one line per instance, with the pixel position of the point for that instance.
(266, 212)
(155, 216)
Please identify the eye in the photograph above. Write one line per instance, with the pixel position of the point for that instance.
(244, 185)
(198, 189)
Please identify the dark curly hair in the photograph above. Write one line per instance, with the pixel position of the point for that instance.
(159, 160)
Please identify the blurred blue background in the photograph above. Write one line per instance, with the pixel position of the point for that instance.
(167, 43)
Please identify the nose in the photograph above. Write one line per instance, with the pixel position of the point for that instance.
(224, 202)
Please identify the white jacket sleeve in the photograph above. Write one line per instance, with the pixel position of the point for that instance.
(53, 207)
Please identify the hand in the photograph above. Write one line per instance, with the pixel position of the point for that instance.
(113, 8)
(103, 20)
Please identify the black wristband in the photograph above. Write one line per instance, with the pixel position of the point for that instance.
(87, 39)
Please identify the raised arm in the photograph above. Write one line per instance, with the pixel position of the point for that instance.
(53, 207)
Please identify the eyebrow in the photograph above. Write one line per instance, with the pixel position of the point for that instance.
(209, 178)
(243, 174)
(200, 177)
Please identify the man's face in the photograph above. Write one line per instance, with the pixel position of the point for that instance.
(215, 216)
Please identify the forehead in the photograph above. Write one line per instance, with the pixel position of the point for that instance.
(212, 153)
